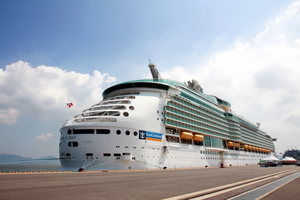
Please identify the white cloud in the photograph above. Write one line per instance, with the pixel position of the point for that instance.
(8, 116)
(259, 77)
(44, 137)
(42, 91)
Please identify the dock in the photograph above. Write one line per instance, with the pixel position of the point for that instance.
(189, 183)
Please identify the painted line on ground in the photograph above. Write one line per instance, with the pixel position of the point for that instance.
(220, 189)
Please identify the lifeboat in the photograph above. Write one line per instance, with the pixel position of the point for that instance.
(246, 146)
(230, 144)
(225, 108)
(198, 138)
(186, 135)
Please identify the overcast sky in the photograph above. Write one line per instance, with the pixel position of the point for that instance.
(56, 52)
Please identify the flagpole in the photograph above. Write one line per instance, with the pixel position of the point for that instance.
(70, 112)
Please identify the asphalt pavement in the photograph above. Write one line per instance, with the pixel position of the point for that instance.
(149, 184)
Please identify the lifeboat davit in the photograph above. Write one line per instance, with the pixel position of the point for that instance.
(186, 135)
(198, 138)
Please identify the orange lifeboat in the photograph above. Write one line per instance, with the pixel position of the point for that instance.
(246, 146)
(186, 135)
(230, 144)
(198, 138)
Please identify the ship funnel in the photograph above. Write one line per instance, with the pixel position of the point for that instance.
(154, 71)
(195, 85)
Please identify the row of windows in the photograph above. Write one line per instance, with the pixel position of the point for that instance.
(123, 95)
(194, 118)
(98, 131)
(89, 131)
(256, 139)
(199, 106)
(90, 155)
(96, 119)
(233, 126)
(202, 122)
(102, 113)
(192, 127)
(197, 110)
(106, 105)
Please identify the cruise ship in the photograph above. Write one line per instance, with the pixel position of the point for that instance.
(158, 124)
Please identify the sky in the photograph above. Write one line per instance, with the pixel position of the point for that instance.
(61, 51)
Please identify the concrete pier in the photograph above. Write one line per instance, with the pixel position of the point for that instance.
(150, 184)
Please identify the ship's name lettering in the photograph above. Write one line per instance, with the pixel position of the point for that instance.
(66, 137)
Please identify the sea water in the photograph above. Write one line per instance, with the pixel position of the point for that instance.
(33, 166)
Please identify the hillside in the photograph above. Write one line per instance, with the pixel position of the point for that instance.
(6, 158)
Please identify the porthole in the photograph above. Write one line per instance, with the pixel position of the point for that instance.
(125, 114)
(118, 132)
(127, 132)
(131, 107)
(135, 133)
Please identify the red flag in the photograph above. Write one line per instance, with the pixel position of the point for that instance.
(69, 104)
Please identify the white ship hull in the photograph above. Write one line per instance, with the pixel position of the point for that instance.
(138, 125)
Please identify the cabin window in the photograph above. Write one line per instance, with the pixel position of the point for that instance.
(127, 132)
(106, 154)
(73, 144)
(102, 131)
(117, 154)
(118, 132)
(126, 114)
(135, 133)
(84, 131)
(131, 107)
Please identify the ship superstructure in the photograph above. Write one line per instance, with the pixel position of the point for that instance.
(160, 123)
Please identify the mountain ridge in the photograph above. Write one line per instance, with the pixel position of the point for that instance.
(16, 158)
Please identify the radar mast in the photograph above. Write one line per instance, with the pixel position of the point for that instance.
(154, 71)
